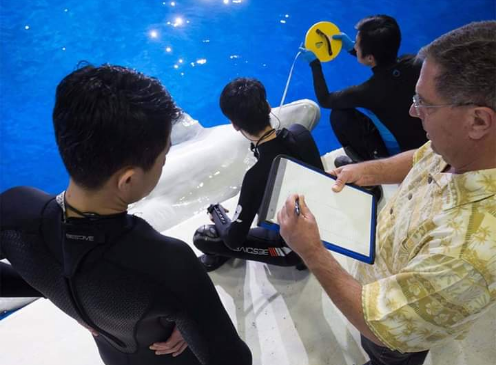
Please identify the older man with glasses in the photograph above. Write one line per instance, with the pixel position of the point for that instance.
(435, 269)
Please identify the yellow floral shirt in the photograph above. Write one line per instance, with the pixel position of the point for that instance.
(435, 268)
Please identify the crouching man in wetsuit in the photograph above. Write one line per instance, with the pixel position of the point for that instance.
(109, 270)
(244, 102)
(387, 94)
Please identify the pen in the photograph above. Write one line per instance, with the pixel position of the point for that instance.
(297, 206)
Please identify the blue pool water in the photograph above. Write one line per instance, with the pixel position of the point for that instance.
(216, 40)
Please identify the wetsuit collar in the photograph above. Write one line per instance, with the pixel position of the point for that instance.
(268, 145)
(384, 68)
(260, 141)
(65, 206)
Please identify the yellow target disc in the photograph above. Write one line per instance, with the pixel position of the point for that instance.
(319, 41)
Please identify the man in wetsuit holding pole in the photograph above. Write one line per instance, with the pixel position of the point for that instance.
(387, 94)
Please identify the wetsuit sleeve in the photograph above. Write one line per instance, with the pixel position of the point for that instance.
(234, 234)
(13, 202)
(197, 297)
(351, 97)
(12, 285)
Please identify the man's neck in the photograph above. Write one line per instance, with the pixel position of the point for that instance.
(481, 157)
(102, 201)
(473, 166)
(264, 132)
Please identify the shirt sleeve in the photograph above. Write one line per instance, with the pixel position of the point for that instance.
(434, 298)
(351, 97)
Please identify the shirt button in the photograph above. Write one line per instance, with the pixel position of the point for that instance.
(410, 196)
(429, 180)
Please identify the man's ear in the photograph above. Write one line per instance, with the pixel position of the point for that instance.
(125, 180)
(482, 120)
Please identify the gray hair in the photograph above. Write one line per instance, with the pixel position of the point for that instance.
(467, 59)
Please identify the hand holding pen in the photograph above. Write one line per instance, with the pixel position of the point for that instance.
(298, 226)
(297, 206)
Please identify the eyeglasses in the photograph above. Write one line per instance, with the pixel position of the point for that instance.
(418, 105)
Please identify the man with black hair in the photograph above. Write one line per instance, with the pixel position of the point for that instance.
(244, 102)
(111, 271)
(387, 94)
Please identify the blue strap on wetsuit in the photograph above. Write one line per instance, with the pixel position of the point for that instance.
(389, 141)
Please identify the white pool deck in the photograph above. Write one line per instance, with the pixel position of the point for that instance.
(283, 315)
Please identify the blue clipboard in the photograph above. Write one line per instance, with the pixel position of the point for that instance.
(348, 221)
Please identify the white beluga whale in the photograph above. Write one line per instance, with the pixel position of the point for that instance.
(207, 165)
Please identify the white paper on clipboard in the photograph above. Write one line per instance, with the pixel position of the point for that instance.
(346, 219)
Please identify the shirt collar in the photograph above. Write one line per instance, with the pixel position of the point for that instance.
(460, 189)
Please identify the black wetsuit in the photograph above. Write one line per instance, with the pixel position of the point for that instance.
(388, 94)
(235, 238)
(12, 285)
(118, 275)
